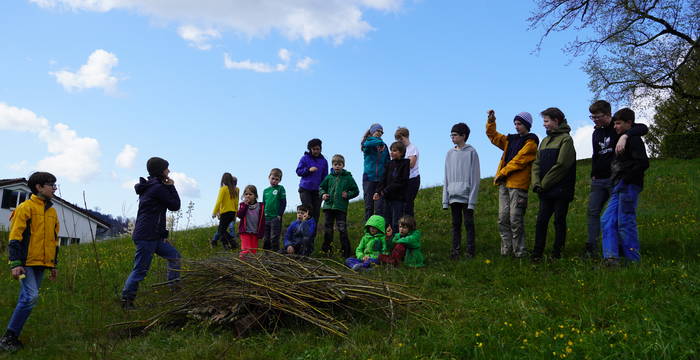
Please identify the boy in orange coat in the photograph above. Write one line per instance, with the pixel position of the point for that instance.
(513, 179)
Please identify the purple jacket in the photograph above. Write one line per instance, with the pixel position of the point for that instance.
(312, 180)
(241, 214)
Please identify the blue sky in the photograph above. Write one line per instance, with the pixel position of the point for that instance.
(236, 86)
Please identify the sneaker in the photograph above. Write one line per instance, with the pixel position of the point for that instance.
(128, 304)
(611, 262)
(10, 343)
(357, 267)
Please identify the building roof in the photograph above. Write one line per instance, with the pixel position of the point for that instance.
(23, 181)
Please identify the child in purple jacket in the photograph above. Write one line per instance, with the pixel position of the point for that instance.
(312, 169)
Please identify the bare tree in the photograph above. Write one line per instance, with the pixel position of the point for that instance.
(633, 47)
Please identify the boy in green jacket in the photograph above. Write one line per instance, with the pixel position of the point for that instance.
(336, 190)
(404, 246)
(371, 245)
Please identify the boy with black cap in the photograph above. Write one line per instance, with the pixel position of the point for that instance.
(156, 196)
(513, 179)
(459, 193)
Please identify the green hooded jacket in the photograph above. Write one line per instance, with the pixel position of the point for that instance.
(554, 168)
(372, 245)
(414, 256)
(334, 184)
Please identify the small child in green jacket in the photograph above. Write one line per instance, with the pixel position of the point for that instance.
(336, 190)
(404, 246)
(371, 245)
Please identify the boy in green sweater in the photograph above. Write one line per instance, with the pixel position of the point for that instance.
(336, 190)
(371, 245)
(275, 199)
(404, 246)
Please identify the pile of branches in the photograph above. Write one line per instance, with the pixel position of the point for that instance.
(262, 289)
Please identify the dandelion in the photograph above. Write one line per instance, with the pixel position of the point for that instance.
(480, 345)
(487, 261)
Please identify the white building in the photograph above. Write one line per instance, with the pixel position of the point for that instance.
(76, 224)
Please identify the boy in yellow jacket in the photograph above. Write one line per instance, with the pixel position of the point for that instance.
(33, 249)
(513, 179)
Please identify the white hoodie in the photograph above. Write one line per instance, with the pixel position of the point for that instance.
(462, 177)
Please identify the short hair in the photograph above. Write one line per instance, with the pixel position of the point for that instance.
(408, 221)
(398, 146)
(251, 189)
(303, 208)
(276, 172)
(313, 143)
(624, 114)
(337, 158)
(600, 106)
(461, 129)
(39, 178)
(401, 132)
(554, 114)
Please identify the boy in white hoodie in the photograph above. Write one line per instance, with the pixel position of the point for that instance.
(461, 188)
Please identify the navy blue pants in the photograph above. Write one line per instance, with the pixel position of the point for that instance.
(142, 262)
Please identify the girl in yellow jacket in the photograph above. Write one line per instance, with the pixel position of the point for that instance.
(225, 210)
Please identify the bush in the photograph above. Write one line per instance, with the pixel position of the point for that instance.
(681, 146)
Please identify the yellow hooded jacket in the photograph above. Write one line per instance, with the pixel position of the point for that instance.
(517, 171)
(34, 234)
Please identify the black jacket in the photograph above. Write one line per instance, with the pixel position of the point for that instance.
(393, 184)
(630, 165)
(154, 199)
(604, 141)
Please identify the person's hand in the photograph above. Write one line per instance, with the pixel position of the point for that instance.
(491, 115)
(306, 216)
(365, 258)
(166, 241)
(168, 181)
(313, 169)
(500, 179)
(326, 196)
(344, 194)
(17, 272)
(620, 147)
(376, 196)
(214, 216)
(389, 231)
(53, 274)
(290, 249)
(537, 189)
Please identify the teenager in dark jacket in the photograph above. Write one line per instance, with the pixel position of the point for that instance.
(392, 188)
(312, 169)
(156, 196)
(627, 175)
(553, 179)
(605, 145)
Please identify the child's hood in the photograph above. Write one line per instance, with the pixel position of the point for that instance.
(376, 221)
(144, 184)
(466, 147)
(342, 172)
(308, 154)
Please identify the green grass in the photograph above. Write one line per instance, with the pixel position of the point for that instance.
(488, 307)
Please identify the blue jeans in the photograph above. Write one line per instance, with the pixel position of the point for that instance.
(620, 235)
(28, 296)
(600, 193)
(351, 261)
(142, 262)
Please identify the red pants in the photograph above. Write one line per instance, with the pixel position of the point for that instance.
(396, 257)
(249, 243)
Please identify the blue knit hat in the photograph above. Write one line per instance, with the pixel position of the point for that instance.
(374, 128)
(524, 118)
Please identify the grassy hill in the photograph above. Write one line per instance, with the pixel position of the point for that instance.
(489, 307)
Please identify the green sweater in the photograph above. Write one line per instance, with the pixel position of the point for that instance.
(414, 256)
(371, 245)
(334, 185)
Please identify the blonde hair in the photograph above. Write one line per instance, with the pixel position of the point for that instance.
(401, 132)
(337, 158)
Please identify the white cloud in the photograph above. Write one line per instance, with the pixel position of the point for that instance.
(185, 185)
(96, 73)
(284, 54)
(582, 137)
(126, 157)
(296, 19)
(250, 65)
(305, 63)
(20, 167)
(198, 38)
(73, 157)
(129, 184)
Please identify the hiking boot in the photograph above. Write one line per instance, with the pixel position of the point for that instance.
(10, 343)
(611, 262)
(128, 304)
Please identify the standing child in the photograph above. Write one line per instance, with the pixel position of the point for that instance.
(513, 179)
(413, 184)
(620, 218)
(275, 199)
(553, 179)
(312, 169)
(404, 246)
(299, 236)
(156, 196)
(252, 225)
(376, 155)
(225, 210)
(392, 188)
(336, 190)
(462, 177)
(33, 249)
(370, 246)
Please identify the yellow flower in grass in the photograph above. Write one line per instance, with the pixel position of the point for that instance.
(487, 261)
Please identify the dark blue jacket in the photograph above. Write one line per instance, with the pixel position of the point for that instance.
(154, 199)
(312, 180)
(300, 233)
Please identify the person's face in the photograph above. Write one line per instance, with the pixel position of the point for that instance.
(316, 151)
(302, 215)
(403, 229)
(549, 123)
(274, 180)
(46, 190)
(166, 172)
(404, 140)
(249, 197)
(457, 139)
(373, 230)
(396, 154)
(520, 127)
(622, 126)
(337, 166)
(378, 133)
(600, 119)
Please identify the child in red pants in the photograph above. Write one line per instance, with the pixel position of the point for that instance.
(252, 225)
(403, 247)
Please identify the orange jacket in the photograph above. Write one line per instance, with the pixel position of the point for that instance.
(517, 172)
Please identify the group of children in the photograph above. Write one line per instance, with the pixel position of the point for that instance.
(390, 183)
